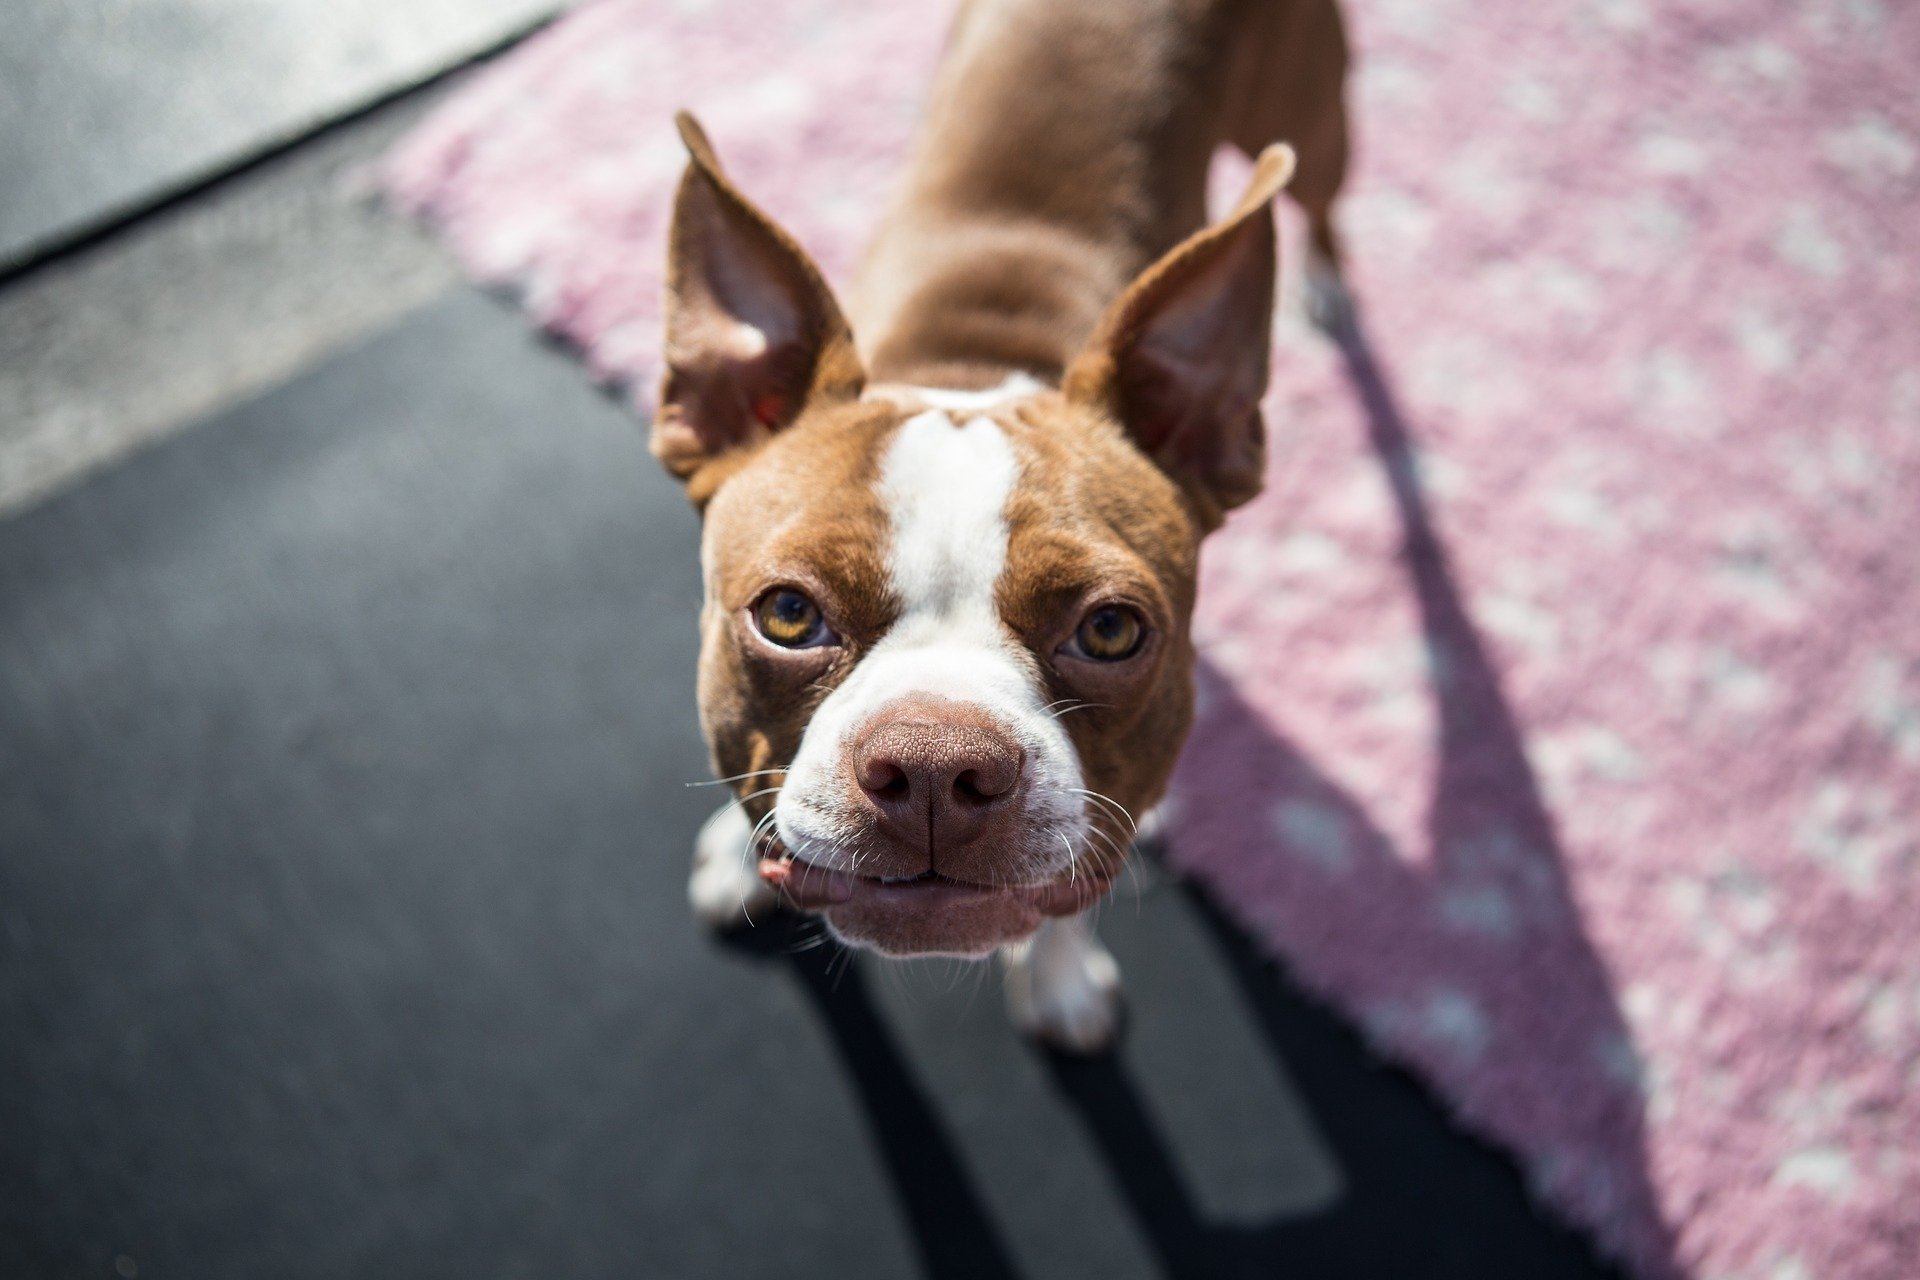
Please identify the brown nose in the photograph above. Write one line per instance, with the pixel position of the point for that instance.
(937, 774)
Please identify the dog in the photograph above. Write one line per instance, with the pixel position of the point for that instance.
(950, 531)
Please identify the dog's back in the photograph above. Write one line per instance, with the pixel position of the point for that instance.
(1066, 146)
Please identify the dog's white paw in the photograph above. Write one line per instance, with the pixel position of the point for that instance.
(1329, 305)
(725, 888)
(1063, 988)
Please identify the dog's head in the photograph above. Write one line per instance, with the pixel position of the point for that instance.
(949, 630)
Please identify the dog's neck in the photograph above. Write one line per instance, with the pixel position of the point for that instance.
(1066, 146)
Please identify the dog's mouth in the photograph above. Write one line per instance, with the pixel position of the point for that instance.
(815, 888)
(929, 913)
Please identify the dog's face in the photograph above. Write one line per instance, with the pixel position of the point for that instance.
(945, 645)
(952, 631)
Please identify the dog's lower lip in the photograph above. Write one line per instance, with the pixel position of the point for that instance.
(804, 881)
(925, 877)
(814, 888)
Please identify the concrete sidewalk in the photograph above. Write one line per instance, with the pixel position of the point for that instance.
(107, 108)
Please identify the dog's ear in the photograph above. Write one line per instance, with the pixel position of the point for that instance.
(1181, 358)
(752, 332)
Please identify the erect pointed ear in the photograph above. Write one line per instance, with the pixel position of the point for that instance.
(752, 332)
(1181, 358)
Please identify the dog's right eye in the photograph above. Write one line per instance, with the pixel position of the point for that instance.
(789, 619)
(1109, 634)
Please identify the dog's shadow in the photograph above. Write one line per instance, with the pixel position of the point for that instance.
(1419, 1198)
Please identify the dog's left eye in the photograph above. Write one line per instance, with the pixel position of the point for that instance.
(789, 619)
(1108, 634)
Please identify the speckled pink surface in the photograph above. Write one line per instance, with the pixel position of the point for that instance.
(1561, 698)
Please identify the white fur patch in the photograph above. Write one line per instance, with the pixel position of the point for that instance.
(945, 488)
(1018, 386)
(961, 405)
(946, 491)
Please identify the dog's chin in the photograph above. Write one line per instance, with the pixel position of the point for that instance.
(929, 914)
(937, 918)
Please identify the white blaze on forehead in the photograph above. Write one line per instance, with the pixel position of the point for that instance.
(945, 488)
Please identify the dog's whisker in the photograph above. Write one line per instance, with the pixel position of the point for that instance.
(738, 777)
(1113, 841)
(973, 994)
(845, 962)
(754, 836)
(1108, 801)
(812, 942)
(1108, 842)
(1134, 883)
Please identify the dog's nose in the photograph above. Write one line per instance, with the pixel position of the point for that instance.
(937, 776)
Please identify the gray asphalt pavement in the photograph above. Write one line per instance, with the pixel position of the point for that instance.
(343, 749)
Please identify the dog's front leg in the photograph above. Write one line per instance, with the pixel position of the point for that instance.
(1063, 987)
(725, 888)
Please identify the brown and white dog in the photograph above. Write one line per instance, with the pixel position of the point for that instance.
(951, 531)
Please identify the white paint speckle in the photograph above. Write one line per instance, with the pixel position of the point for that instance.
(1482, 910)
(1824, 1169)
(1671, 155)
(1851, 830)
(1803, 240)
(1870, 148)
(1453, 1018)
(1764, 340)
(1313, 829)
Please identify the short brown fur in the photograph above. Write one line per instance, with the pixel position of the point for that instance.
(1051, 223)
